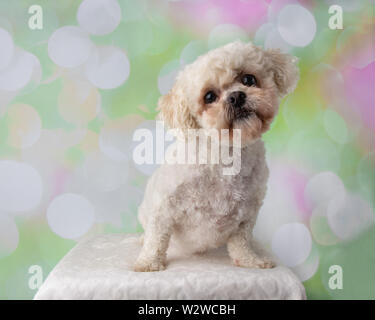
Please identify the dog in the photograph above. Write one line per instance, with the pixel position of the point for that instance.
(195, 206)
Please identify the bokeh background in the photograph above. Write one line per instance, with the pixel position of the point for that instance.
(72, 94)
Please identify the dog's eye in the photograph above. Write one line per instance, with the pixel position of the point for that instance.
(249, 80)
(209, 97)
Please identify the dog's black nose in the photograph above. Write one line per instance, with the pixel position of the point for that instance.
(237, 99)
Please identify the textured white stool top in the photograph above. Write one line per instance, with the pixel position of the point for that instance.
(101, 268)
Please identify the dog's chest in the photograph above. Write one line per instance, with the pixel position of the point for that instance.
(216, 197)
(212, 209)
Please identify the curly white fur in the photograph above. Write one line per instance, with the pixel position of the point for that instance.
(195, 206)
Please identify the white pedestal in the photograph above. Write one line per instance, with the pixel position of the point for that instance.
(101, 268)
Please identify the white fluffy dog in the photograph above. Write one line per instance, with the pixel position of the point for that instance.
(196, 206)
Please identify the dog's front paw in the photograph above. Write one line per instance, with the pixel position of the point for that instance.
(264, 263)
(256, 263)
(149, 265)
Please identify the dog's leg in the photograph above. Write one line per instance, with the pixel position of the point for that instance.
(155, 244)
(241, 251)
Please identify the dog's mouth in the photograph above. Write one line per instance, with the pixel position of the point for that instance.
(242, 114)
(238, 114)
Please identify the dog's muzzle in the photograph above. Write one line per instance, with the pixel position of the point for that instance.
(237, 99)
(238, 106)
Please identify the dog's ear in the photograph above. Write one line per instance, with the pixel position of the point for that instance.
(285, 70)
(174, 111)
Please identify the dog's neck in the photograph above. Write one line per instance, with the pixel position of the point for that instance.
(227, 159)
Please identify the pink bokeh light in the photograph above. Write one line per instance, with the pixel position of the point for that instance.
(359, 90)
(208, 13)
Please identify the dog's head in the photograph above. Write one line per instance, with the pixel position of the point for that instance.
(237, 86)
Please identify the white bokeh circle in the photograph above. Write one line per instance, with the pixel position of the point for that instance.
(308, 268)
(274, 40)
(36, 74)
(322, 188)
(99, 17)
(279, 206)
(320, 229)
(296, 25)
(275, 6)
(7, 48)
(292, 243)
(21, 186)
(9, 236)
(21, 69)
(108, 67)
(349, 217)
(69, 46)
(262, 32)
(70, 215)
